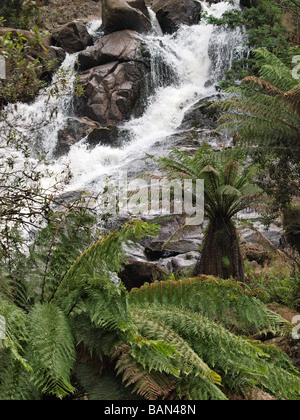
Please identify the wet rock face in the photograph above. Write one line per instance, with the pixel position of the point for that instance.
(72, 37)
(76, 129)
(115, 73)
(138, 270)
(119, 15)
(112, 92)
(202, 115)
(58, 55)
(172, 13)
(120, 46)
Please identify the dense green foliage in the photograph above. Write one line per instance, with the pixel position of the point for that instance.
(164, 340)
(18, 13)
(265, 28)
(263, 114)
(72, 329)
(39, 350)
(276, 285)
(23, 82)
(11, 10)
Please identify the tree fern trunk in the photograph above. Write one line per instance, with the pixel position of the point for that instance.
(221, 255)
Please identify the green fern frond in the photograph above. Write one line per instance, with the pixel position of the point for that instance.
(151, 385)
(16, 335)
(224, 300)
(185, 360)
(103, 386)
(15, 381)
(51, 348)
(100, 260)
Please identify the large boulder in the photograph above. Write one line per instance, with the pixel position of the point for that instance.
(172, 13)
(136, 273)
(182, 264)
(255, 252)
(202, 115)
(112, 92)
(119, 46)
(116, 74)
(72, 37)
(138, 270)
(158, 249)
(76, 129)
(118, 15)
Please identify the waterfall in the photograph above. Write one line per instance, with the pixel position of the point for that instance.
(197, 57)
(156, 29)
(94, 28)
(36, 121)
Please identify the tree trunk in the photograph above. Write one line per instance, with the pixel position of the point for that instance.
(221, 255)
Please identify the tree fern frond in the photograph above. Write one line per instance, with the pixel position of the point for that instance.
(231, 353)
(293, 98)
(101, 386)
(15, 382)
(52, 350)
(264, 84)
(99, 342)
(273, 70)
(151, 385)
(16, 335)
(100, 260)
(186, 361)
(224, 300)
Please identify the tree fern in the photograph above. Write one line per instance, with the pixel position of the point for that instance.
(228, 352)
(40, 340)
(100, 260)
(228, 189)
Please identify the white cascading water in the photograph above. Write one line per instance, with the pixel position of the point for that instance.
(188, 53)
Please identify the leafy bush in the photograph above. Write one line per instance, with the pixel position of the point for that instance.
(278, 283)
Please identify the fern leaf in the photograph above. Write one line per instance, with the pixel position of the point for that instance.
(52, 350)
